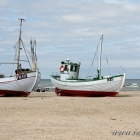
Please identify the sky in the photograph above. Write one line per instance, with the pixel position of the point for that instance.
(71, 29)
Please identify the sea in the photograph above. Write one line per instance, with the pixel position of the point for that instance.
(47, 84)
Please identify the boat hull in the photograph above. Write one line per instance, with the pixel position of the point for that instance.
(94, 88)
(37, 80)
(84, 93)
(12, 86)
(10, 93)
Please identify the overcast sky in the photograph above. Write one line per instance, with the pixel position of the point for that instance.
(72, 29)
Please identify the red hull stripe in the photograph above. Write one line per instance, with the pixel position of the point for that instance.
(9, 93)
(85, 93)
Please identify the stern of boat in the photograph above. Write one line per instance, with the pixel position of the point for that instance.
(38, 78)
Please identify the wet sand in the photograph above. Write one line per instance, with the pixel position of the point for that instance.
(45, 116)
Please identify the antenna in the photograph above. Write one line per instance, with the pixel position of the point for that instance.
(21, 19)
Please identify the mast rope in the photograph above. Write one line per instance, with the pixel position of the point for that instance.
(93, 60)
(7, 49)
(107, 60)
(116, 58)
(25, 50)
(14, 58)
(27, 43)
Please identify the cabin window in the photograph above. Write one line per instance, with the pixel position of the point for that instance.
(66, 67)
(73, 68)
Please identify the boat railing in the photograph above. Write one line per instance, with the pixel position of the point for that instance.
(56, 76)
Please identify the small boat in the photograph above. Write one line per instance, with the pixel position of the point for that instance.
(68, 82)
(24, 80)
(132, 85)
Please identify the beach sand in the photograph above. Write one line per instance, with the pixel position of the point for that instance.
(45, 116)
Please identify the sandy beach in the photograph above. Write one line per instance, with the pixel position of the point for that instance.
(45, 116)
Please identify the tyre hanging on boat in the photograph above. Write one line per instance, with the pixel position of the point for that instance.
(62, 68)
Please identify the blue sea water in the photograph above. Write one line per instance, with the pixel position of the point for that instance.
(46, 83)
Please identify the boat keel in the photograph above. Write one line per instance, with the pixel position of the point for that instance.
(84, 93)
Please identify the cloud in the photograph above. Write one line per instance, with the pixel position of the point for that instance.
(71, 29)
(74, 18)
(112, 1)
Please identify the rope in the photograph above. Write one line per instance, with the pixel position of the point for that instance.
(116, 58)
(26, 53)
(26, 43)
(107, 61)
(14, 58)
(7, 49)
(93, 60)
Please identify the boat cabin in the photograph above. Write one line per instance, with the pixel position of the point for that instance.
(69, 70)
(20, 71)
(2, 76)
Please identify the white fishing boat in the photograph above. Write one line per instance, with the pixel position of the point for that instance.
(24, 80)
(132, 85)
(68, 82)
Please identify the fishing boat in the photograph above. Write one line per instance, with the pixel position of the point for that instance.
(24, 80)
(68, 82)
(132, 85)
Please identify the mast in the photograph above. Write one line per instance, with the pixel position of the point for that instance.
(19, 44)
(33, 54)
(100, 57)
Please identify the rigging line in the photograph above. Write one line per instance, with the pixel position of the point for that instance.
(14, 60)
(14, 57)
(26, 48)
(115, 58)
(26, 53)
(8, 49)
(107, 60)
(35, 50)
(93, 59)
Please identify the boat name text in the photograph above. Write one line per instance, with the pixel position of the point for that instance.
(22, 76)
